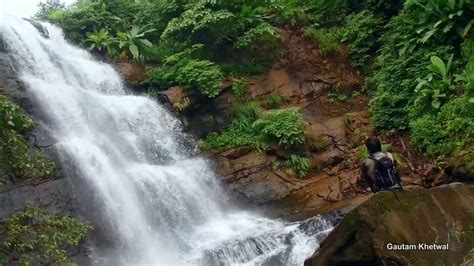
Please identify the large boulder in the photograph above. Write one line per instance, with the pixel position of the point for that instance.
(393, 227)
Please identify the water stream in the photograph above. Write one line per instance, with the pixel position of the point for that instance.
(162, 201)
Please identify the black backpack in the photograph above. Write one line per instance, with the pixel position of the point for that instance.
(386, 174)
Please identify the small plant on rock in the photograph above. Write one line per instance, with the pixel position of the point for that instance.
(327, 40)
(239, 87)
(16, 158)
(320, 144)
(274, 100)
(284, 125)
(299, 164)
(34, 237)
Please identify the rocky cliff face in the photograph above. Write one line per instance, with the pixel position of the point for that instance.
(60, 194)
(52, 194)
(392, 227)
(326, 89)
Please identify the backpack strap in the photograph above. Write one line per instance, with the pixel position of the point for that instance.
(384, 155)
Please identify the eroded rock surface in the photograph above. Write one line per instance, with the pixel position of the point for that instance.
(442, 215)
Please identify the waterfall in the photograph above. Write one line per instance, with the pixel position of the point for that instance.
(162, 202)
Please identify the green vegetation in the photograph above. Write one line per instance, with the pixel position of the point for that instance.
(34, 237)
(17, 160)
(253, 127)
(327, 40)
(203, 75)
(240, 132)
(299, 164)
(417, 56)
(239, 87)
(361, 33)
(228, 33)
(286, 126)
(273, 101)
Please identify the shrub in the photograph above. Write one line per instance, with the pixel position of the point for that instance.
(250, 127)
(100, 41)
(262, 41)
(15, 156)
(466, 79)
(361, 33)
(48, 7)
(283, 125)
(294, 12)
(201, 25)
(240, 131)
(449, 130)
(84, 17)
(244, 69)
(395, 81)
(274, 100)
(320, 144)
(131, 42)
(250, 110)
(34, 237)
(441, 17)
(239, 87)
(438, 85)
(299, 164)
(203, 75)
(327, 40)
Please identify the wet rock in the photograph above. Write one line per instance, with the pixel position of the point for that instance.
(357, 127)
(132, 72)
(250, 178)
(236, 153)
(55, 196)
(177, 97)
(442, 215)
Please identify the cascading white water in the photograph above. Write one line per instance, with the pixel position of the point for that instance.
(163, 203)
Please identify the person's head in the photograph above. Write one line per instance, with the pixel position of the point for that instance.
(373, 145)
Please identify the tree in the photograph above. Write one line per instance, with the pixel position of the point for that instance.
(46, 8)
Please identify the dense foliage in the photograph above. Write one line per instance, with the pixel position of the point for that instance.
(17, 160)
(417, 56)
(153, 31)
(421, 83)
(34, 237)
(253, 127)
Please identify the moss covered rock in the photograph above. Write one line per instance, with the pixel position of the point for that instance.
(443, 215)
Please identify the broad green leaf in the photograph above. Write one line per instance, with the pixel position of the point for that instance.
(134, 50)
(428, 35)
(448, 27)
(146, 42)
(439, 65)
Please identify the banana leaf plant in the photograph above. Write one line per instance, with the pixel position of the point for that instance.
(134, 40)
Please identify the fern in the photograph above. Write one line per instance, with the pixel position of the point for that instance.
(284, 125)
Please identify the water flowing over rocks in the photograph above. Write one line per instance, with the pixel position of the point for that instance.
(149, 198)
